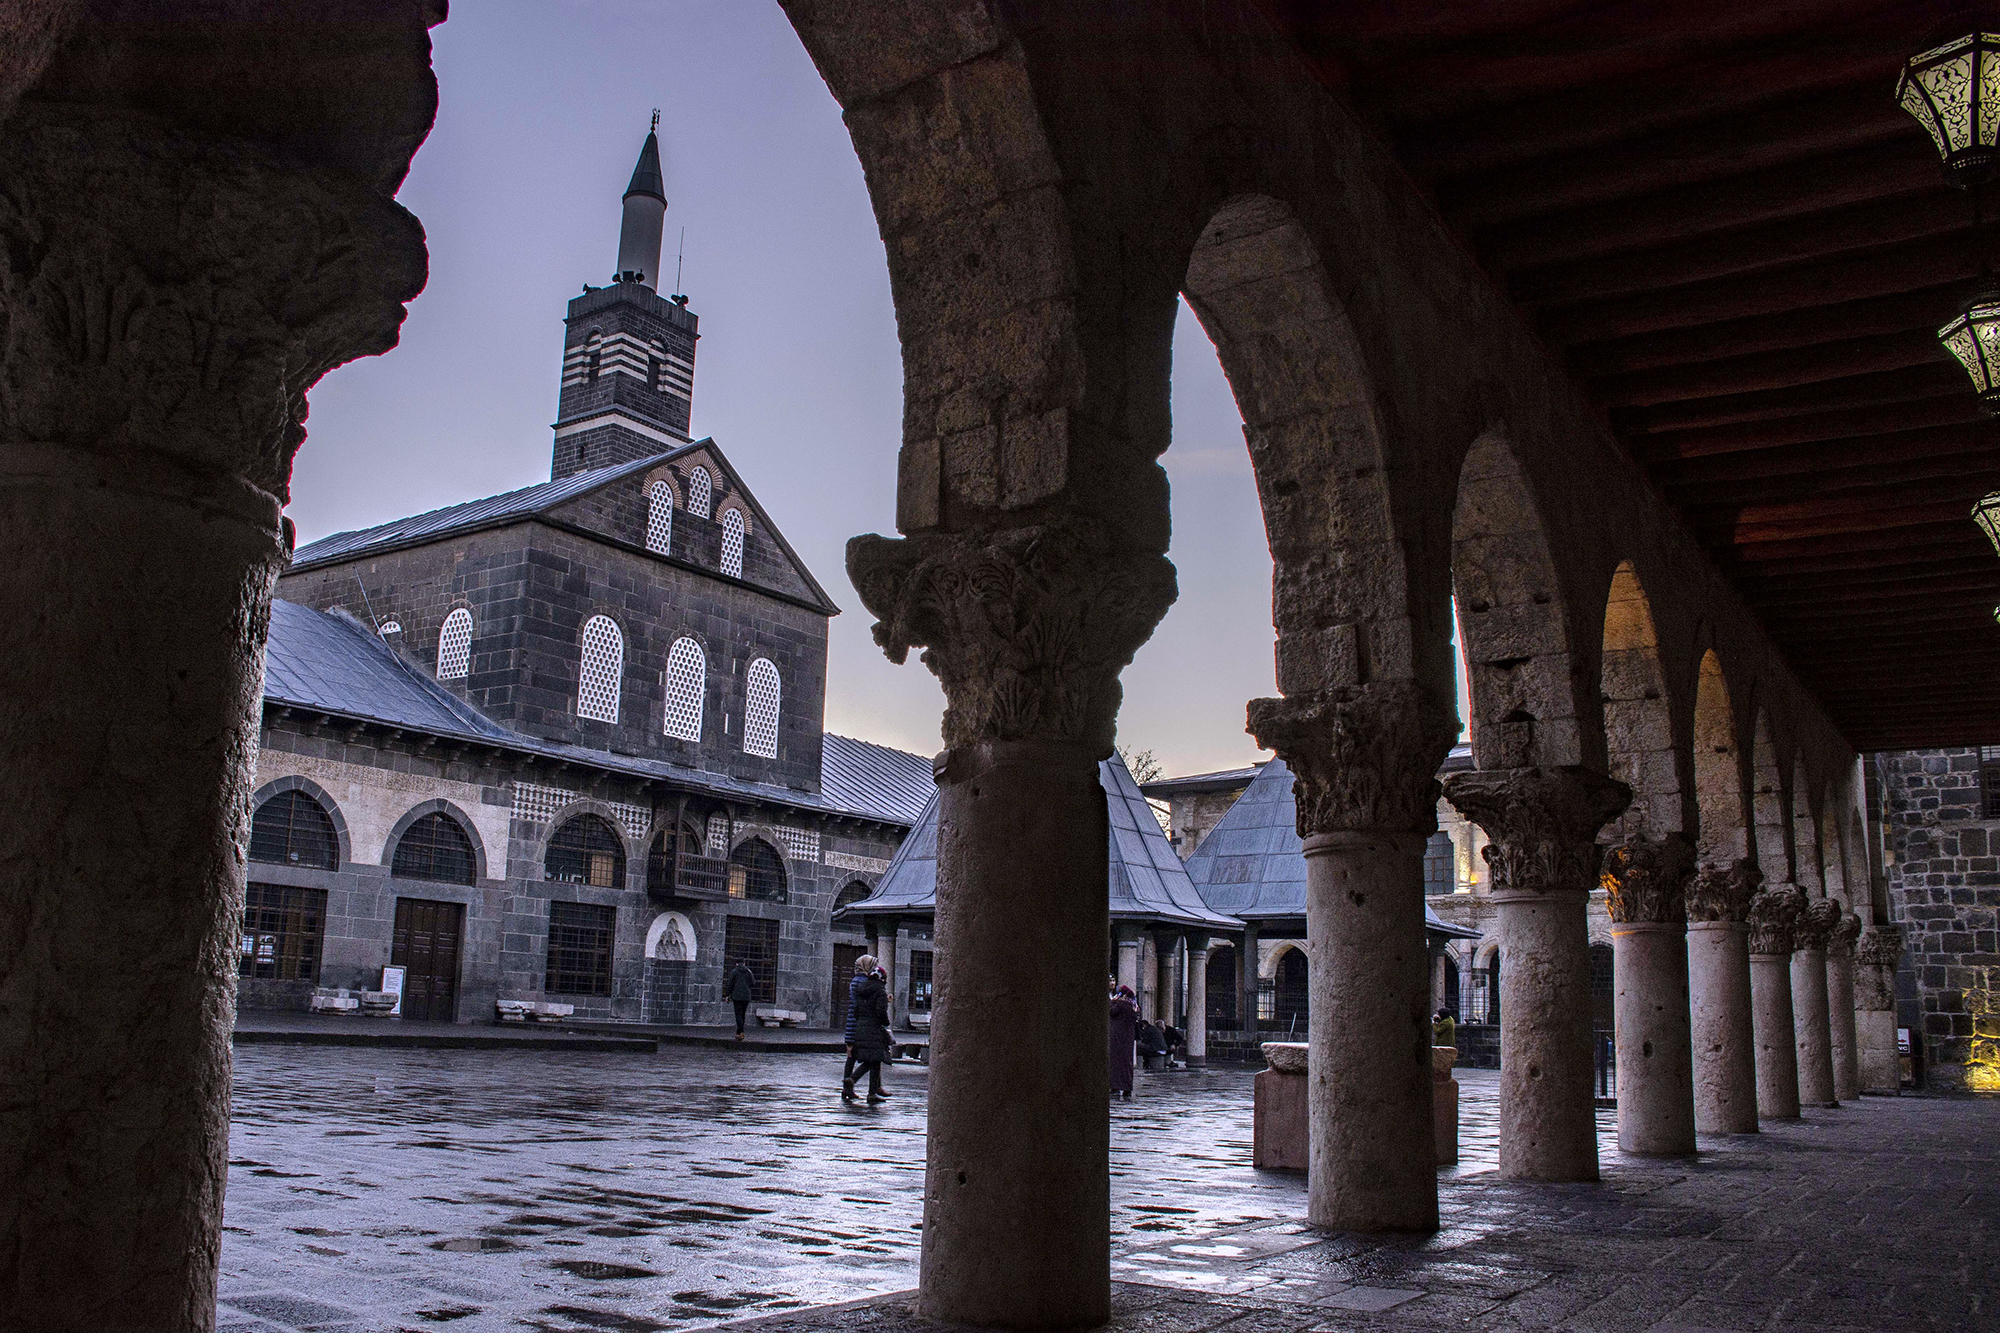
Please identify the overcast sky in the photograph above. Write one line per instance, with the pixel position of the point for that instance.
(798, 378)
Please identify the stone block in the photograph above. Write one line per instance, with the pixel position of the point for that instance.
(1279, 1127)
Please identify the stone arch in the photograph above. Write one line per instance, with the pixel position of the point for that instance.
(671, 938)
(1638, 718)
(1769, 803)
(438, 806)
(1718, 768)
(343, 845)
(1808, 863)
(1832, 838)
(1525, 707)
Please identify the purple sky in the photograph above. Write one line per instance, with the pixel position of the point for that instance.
(798, 378)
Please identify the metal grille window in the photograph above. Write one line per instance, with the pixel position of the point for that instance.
(1438, 858)
(435, 848)
(455, 646)
(291, 829)
(687, 681)
(1989, 782)
(660, 518)
(920, 980)
(700, 492)
(754, 943)
(732, 543)
(603, 670)
(756, 873)
(580, 937)
(586, 850)
(282, 930)
(760, 714)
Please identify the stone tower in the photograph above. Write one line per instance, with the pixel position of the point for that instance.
(628, 353)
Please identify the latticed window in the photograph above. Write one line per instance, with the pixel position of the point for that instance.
(719, 835)
(455, 645)
(732, 543)
(1438, 863)
(754, 944)
(435, 847)
(687, 681)
(282, 930)
(586, 850)
(660, 518)
(920, 980)
(292, 829)
(580, 936)
(760, 713)
(603, 670)
(701, 491)
(756, 873)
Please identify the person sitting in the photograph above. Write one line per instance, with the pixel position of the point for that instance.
(1444, 1029)
(1176, 1041)
(1151, 1044)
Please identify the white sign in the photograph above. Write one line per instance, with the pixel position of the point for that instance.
(392, 982)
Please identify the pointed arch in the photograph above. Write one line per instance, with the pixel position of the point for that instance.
(454, 659)
(1807, 863)
(1718, 768)
(601, 669)
(1769, 807)
(701, 491)
(760, 710)
(1638, 719)
(1832, 839)
(734, 531)
(660, 517)
(687, 686)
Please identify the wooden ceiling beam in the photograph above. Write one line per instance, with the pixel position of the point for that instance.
(1949, 405)
(1891, 392)
(1878, 451)
(1733, 549)
(1874, 483)
(1947, 542)
(1923, 308)
(1769, 370)
(1795, 523)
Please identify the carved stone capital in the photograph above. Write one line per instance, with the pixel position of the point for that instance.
(1646, 879)
(1878, 953)
(1362, 757)
(1880, 947)
(173, 293)
(1816, 924)
(1774, 918)
(1026, 629)
(1723, 893)
(1543, 823)
(1840, 944)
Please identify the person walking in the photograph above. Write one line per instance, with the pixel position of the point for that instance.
(1123, 1033)
(863, 966)
(872, 1042)
(738, 987)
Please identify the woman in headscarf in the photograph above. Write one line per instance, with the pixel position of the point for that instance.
(1124, 1029)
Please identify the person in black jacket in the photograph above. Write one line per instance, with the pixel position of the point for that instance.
(738, 987)
(872, 1042)
(863, 966)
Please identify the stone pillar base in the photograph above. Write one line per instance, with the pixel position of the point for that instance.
(1444, 1103)
(1881, 1067)
(1279, 1131)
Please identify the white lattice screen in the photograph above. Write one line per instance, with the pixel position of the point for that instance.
(539, 804)
(700, 489)
(660, 518)
(455, 645)
(760, 716)
(603, 670)
(801, 844)
(732, 543)
(687, 678)
(718, 835)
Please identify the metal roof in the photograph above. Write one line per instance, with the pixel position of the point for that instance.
(1224, 780)
(328, 662)
(1148, 883)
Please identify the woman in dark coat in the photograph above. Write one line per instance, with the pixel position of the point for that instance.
(872, 1043)
(864, 967)
(1124, 1029)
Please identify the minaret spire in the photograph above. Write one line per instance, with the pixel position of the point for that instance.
(645, 215)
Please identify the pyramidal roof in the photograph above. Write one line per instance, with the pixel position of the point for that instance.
(1148, 883)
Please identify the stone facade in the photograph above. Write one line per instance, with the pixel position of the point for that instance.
(1943, 854)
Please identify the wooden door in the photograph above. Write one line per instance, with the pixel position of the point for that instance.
(426, 946)
(845, 956)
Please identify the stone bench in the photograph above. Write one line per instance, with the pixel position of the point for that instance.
(379, 1003)
(532, 1011)
(335, 1002)
(770, 1017)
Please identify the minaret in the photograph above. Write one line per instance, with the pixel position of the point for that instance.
(628, 352)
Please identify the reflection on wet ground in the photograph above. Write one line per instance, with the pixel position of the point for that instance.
(388, 1189)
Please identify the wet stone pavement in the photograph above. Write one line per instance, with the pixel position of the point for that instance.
(374, 1190)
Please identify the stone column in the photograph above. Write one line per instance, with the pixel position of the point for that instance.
(1812, 1028)
(1246, 980)
(1364, 760)
(1027, 630)
(169, 298)
(1840, 1006)
(1197, 1002)
(1875, 961)
(1130, 951)
(1724, 1034)
(1542, 826)
(1646, 882)
(1774, 915)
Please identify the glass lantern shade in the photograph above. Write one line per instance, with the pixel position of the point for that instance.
(1974, 339)
(1954, 92)
(1987, 515)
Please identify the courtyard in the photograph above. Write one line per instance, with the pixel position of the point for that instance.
(374, 1190)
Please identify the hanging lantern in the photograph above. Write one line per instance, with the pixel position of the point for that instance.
(1974, 338)
(1954, 92)
(1987, 515)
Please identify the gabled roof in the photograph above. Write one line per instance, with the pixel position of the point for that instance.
(1252, 864)
(1228, 779)
(1147, 881)
(329, 663)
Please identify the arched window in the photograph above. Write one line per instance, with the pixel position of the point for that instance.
(586, 850)
(732, 543)
(455, 645)
(292, 829)
(593, 357)
(756, 873)
(660, 518)
(853, 893)
(603, 670)
(1293, 996)
(1438, 864)
(435, 847)
(687, 681)
(760, 713)
(1451, 985)
(1222, 988)
(700, 490)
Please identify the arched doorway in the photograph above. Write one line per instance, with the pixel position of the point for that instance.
(1290, 997)
(1451, 997)
(1221, 1000)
